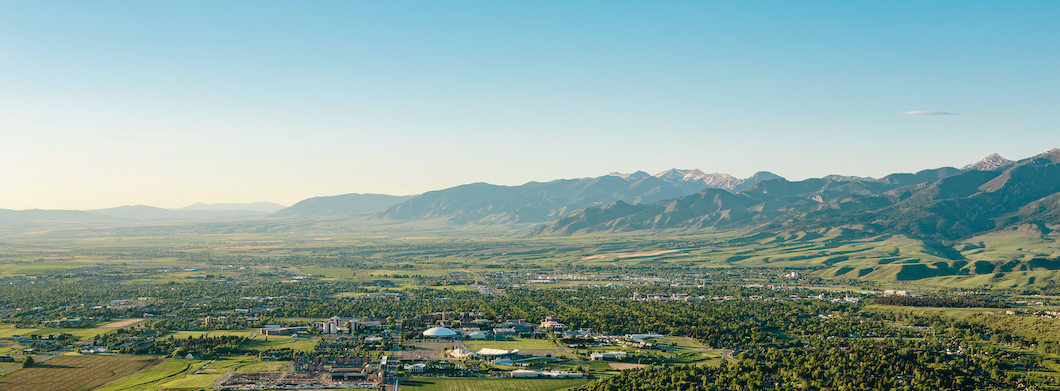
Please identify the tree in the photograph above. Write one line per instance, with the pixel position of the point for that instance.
(28, 362)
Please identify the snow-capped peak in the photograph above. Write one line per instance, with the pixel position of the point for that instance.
(989, 163)
(695, 180)
(848, 178)
(683, 175)
(636, 176)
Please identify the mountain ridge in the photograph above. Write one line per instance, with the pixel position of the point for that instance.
(537, 202)
(938, 204)
(352, 204)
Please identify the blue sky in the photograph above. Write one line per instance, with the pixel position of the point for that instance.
(170, 103)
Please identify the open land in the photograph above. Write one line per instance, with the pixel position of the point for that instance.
(75, 373)
(711, 296)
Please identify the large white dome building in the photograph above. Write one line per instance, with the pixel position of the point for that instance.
(439, 332)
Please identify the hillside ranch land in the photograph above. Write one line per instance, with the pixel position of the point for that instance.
(147, 255)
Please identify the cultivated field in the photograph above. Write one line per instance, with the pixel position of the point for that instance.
(153, 378)
(75, 373)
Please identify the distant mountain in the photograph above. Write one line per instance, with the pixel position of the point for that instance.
(537, 202)
(851, 178)
(904, 179)
(941, 204)
(266, 207)
(990, 163)
(533, 202)
(40, 215)
(352, 204)
(144, 212)
(695, 180)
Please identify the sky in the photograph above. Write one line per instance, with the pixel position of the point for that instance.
(168, 103)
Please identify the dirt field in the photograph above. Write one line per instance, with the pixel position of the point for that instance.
(430, 350)
(121, 323)
(75, 373)
(621, 365)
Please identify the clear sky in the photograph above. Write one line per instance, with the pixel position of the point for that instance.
(167, 103)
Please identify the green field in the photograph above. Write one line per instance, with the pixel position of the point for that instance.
(6, 331)
(153, 378)
(211, 333)
(79, 333)
(192, 381)
(75, 373)
(243, 364)
(459, 384)
(513, 343)
(261, 343)
(429, 249)
(175, 373)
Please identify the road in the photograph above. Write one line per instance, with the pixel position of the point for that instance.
(392, 382)
(724, 353)
(36, 359)
(573, 357)
(482, 281)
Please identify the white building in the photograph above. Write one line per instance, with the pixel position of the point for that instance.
(562, 375)
(522, 373)
(607, 356)
(439, 332)
(483, 354)
(416, 368)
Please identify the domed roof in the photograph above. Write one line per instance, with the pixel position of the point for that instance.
(439, 332)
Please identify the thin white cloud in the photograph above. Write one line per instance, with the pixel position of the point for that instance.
(926, 112)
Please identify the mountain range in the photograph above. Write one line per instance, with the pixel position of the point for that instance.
(538, 202)
(940, 204)
(352, 204)
(197, 211)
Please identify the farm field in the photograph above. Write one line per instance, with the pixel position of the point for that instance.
(181, 373)
(75, 373)
(153, 378)
(463, 384)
